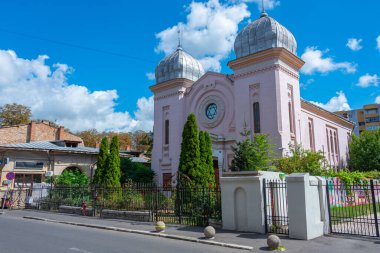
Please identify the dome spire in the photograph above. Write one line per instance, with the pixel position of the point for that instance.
(179, 38)
(263, 13)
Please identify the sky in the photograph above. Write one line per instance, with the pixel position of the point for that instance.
(88, 64)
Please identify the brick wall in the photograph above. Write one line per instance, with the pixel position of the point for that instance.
(35, 131)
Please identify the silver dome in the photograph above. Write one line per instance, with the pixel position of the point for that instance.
(263, 34)
(179, 65)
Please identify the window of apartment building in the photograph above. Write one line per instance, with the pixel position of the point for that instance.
(167, 132)
(311, 134)
(256, 117)
(372, 119)
(361, 123)
(371, 111)
(371, 128)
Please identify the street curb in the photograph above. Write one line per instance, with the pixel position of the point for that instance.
(143, 232)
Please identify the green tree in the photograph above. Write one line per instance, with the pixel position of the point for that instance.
(301, 161)
(111, 176)
(365, 151)
(14, 114)
(90, 137)
(72, 177)
(101, 166)
(190, 172)
(205, 148)
(252, 155)
(136, 172)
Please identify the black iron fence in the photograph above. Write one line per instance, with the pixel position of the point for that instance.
(181, 205)
(276, 206)
(354, 208)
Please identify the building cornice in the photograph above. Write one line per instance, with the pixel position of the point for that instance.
(175, 83)
(272, 53)
(326, 114)
(176, 93)
(273, 67)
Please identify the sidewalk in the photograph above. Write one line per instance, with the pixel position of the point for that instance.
(257, 241)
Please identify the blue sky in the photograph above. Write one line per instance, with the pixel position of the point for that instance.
(137, 34)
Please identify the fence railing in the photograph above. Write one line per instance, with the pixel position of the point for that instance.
(354, 208)
(276, 206)
(171, 204)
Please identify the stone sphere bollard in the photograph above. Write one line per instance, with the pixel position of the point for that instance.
(209, 232)
(160, 226)
(273, 242)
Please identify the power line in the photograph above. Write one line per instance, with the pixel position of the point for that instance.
(78, 46)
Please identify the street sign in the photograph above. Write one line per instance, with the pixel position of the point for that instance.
(10, 176)
(7, 182)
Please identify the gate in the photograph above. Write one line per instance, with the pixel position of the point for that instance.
(354, 208)
(276, 206)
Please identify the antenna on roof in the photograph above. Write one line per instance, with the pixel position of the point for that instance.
(263, 13)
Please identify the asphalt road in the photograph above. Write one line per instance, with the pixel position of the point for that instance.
(19, 235)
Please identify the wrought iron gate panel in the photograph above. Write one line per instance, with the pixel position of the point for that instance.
(276, 206)
(354, 208)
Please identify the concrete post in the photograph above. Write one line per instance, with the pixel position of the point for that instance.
(306, 206)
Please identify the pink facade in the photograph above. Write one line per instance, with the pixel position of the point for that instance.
(263, 92)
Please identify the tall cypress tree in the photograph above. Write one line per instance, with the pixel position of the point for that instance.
(112, 174)
(190, 171)
(210, 175)
(102, 162)
(205, 148)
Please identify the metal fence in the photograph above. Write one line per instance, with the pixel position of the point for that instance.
(354, 208)
(180, 205)
(276, 206)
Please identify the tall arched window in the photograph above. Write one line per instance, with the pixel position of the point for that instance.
(332, 145)
(291, 117)
(166, 131)
(256, 117)
(311, 135)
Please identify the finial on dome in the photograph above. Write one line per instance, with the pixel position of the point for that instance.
(179, 38)
(263, 13)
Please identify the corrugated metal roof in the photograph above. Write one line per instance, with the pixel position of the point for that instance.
(47, 145)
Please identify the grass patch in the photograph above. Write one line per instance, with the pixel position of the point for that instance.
(340, 213)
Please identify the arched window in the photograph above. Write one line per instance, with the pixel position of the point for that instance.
(311, 135)
(256, 117)
(332, 145)
(166, 131)
(290, 107)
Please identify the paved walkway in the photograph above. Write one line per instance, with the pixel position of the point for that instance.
(322, 244)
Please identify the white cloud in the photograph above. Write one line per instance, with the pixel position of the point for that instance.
(208, 33)
(150, 76)
(367, 80)
(315, 61)
(307, 83)
(378, 43)
(46, 91)
(269, 4)
(354, 44)
(377, 100)
(337, 103)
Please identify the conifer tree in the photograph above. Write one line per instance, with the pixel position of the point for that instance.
(102, 162)
(205, 147)
(190, 171)
(112, 174)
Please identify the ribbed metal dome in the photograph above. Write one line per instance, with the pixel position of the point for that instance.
(179, 65)
(263, 34)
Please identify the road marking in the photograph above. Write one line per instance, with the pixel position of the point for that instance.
(80, 250)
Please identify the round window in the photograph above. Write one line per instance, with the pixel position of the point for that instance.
(211, 111)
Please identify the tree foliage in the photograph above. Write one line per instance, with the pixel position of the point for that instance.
(205, 148)
(14, 114)
(101, 167)
(365, 151)
(252, 155)
(190, 171)
(301, 161)
(72, 177)
(111, 176)
(136, 172)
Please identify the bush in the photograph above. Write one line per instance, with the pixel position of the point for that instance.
(301, 161)
(72, 177)
(136, 172)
